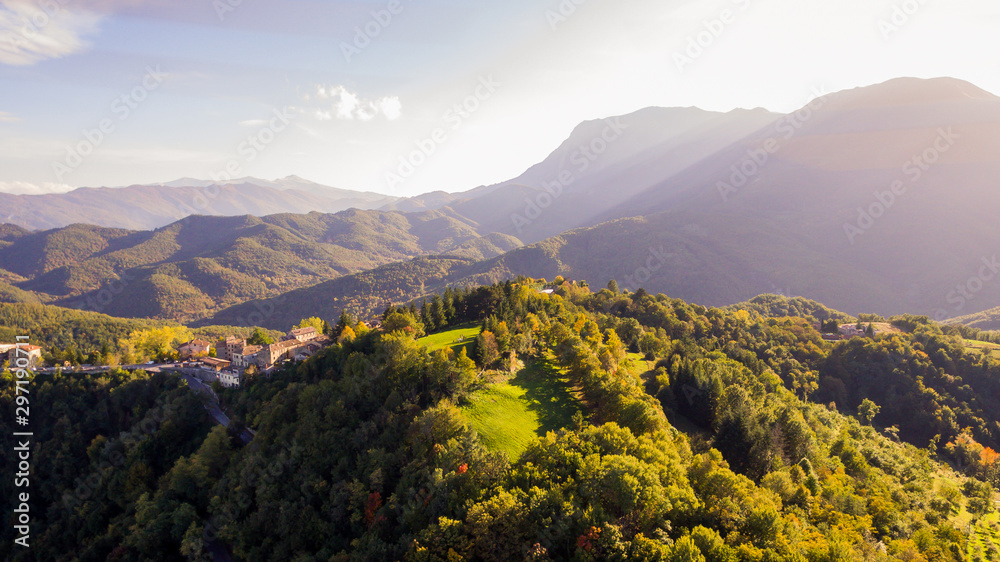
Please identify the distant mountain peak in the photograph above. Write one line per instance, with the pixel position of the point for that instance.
(910, 91)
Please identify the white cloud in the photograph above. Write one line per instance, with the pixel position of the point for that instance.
(337, 102)
(7, 117)
(30, 32)
(25, 188)
(392, 108)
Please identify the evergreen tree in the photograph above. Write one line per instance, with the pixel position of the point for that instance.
(437, 313)
(345, 321)
(425, 317)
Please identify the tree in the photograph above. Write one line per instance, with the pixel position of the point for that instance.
(403, 322)
(437, 312)
(868, 410)
(259, 337)
(192, 544)
(980, 496)
(425, 317)
(487, 351)
(449, 304)
(613, 286)
(502, 335)
(345, 321)
(347, 335)
(685, 550)
(155, 343)
(313, 322)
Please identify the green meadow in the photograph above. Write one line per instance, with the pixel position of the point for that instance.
(510, 415)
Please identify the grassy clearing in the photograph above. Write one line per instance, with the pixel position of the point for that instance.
(984, 541)
(456, 338)
(637, 364)
(510, 415)
(984, 532)
(978, 346)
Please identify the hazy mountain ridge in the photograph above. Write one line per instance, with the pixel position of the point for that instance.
(986, 320)
(603, 163)
(145, 207)
(842, 160)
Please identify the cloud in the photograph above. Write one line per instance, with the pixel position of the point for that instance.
(337, 102)
(7, 117)
(31, 32)
(25, 188)
(392, 108)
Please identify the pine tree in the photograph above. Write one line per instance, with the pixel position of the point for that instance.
(437, 312)
(449, 304)
(425, 317)
(345, 321)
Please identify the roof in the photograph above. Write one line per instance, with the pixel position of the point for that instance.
(214, 361)
(7, 346)
(304, 331)
(250, 350)
(199, 342)
(287, 344)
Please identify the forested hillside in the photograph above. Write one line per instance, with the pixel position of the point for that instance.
(82, 337)
(659, 430)
(200, 265)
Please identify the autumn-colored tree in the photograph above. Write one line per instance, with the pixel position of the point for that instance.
(487, 351)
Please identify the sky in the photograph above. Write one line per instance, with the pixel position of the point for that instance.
(404, 97)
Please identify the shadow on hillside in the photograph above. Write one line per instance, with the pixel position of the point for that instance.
(548, 394)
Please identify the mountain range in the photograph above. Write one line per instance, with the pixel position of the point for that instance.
(879, 199)
(199, 265)
(145, 207)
